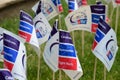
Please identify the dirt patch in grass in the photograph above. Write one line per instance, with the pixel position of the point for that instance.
(13, 10)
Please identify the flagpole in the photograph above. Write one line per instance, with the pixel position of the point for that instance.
(38, 71)
(53, 76)
(60, 71)
(95, 66)
(104, 73)
(82, 43)
(111, 15)
(117, 17)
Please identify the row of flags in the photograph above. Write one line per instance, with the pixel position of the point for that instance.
(59, 52)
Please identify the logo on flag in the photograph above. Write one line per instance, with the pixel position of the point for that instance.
(47, 8)
(14, 55)
(97, 12)
(79, 19)
(105, 44)
(42, 28)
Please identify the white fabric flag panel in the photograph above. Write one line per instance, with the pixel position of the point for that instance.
(105, 44)
(47, 8)
(14, 55)
(51, 52)
(79, 19)
(42, 28)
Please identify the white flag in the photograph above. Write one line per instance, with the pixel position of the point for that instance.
(14, 55)
(47, 8)
(51, 52)
(27, 30)
(42, 27)
(79, 19)
(60, 53)
(105, 44)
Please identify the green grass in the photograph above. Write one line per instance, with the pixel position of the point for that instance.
(87, 61)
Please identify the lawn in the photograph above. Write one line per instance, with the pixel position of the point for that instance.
(87, 61)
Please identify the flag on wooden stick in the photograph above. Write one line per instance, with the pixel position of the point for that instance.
(58, 5)
(42, 28)
(15, 55)
(60, 53)
(79, 19)
(27, 30)
(105, 44)
(47, 7)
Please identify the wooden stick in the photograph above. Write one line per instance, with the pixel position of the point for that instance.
(82, 43)
(60, 71)
(53, 76)
(117, 17)
(73, 37)
(38, 71)
(111, 15)
(104, 73)
(60, 74)
(95, 66)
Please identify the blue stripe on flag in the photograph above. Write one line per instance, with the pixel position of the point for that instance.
(67, 50)
(10, 54)
(99, 35)
(96, 18)
(71, 5)
(26, 27)
(109, 55)
(66, 46)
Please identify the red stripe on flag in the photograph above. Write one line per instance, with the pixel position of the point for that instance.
(117, 1)
(8, 65)
(25, 35)
(94, 27)
(84, 2)
(67, 63)
(70, 11)
(60, 8)
(94, 45)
